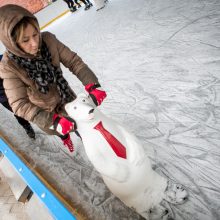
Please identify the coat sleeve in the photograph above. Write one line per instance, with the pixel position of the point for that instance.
(74, 63)
(16, 92)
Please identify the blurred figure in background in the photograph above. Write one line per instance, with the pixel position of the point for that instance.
(87, 4)
(71, 5)
(79, 6)
(4, 101)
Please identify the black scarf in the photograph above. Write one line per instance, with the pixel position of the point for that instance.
(43, 73)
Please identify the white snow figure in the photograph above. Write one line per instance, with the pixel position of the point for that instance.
(120, 159)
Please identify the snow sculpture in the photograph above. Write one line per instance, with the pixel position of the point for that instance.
(120, 159)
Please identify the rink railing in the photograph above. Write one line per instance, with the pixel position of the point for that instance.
(57, 210)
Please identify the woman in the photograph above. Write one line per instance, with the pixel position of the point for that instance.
(4, 101)
(33, 79)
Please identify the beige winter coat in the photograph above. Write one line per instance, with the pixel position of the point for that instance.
(23, 95)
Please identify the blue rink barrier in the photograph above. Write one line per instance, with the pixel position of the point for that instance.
(55, 207)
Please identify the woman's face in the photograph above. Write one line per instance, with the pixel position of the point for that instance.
(29, 42)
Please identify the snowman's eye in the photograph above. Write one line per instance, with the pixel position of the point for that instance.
(74, 107)
(83, 100)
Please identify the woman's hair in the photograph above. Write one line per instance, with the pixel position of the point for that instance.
(18, 30)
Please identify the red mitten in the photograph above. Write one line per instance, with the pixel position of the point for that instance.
(96, 93)
(63, 125)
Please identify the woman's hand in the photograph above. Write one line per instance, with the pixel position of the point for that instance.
(63, 125)
(96, 93)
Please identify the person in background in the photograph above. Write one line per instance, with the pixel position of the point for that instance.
(4, 101)
(33, 79)
(87, 4)
(71, 5)
(77, 3)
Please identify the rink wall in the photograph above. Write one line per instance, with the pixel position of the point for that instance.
(51, 13)
(57, 207)
(33, 5)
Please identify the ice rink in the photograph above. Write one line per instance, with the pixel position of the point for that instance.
(159, 62)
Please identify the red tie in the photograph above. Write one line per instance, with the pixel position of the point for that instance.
(117, 147)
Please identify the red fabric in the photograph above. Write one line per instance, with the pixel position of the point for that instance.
(66, 125)
(68, 143)
(96, 93)
(117, 147)
(55, 116)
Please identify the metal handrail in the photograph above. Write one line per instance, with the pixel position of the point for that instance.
(57, 210)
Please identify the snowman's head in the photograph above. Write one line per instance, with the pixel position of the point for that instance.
(81, 109)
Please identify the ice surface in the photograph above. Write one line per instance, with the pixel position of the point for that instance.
(159, 62)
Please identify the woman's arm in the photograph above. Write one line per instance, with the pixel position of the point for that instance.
(70, 59)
